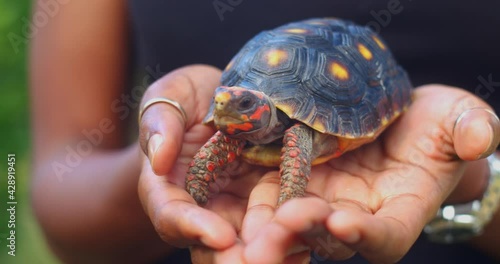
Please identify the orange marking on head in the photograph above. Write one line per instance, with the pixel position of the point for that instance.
(339, 71)
(296, 30)
(260, 110)
(379, 42)
(365, 52)
(231, 128)
(275, 57)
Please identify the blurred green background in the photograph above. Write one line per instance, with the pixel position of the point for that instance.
(15, 135)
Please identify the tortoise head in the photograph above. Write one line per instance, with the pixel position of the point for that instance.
(241, 111)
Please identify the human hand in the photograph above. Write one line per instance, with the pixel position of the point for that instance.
(376, 200)
(170, 143)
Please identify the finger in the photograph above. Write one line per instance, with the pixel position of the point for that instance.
(270, 245)
(162, 125)
(476, 133)
(309, 224)
(313, 211)
(177, 218)
(456, 117)
(384, 237)
(261, 205)
(234, 254)
(161, 141)
(201, 254)
(297, 221)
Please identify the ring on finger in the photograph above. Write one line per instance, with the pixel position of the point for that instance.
(156, 100)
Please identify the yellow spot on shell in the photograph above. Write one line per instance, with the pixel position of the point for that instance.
(365, 52)
(275, 57)
(296, 30)
(379, 42)
(384, 121)
(339, 71)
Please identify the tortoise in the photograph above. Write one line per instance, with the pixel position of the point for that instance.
(300, 95)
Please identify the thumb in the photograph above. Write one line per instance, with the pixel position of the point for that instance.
(476, 133)
(171, 106)
(468, 123)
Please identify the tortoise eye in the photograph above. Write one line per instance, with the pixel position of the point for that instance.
(245, 104)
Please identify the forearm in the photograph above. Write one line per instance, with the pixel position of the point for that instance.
(92, 212)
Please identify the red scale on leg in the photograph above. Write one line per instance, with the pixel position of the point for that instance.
(207, 177)
(295, 167)
(211, 166)
(231, 156)
(294, 153)
(209, 162)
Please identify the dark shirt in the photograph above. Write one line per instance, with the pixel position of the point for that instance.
(448, 42)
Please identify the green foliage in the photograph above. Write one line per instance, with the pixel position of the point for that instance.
(15, 134)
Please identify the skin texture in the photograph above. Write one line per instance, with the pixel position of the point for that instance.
(114, 225)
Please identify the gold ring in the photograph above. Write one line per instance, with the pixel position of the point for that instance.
(156, 100)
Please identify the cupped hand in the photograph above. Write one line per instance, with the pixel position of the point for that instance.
(169, 143)
(376, 200)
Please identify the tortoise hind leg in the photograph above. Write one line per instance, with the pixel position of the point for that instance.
(295, 162)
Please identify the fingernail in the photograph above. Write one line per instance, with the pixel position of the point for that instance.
(154, 144)
(491, 141)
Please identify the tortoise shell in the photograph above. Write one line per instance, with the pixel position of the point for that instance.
(333, 75)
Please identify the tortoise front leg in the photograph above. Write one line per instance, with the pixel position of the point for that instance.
(209, 162)
(295, 162)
